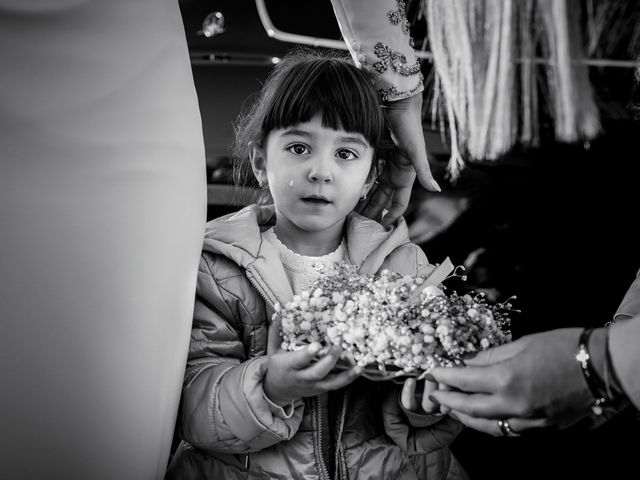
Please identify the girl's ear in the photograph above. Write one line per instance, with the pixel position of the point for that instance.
(259, 165)
(372, 177)
(367, 186)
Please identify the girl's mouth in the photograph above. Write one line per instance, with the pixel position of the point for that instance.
(316, 200)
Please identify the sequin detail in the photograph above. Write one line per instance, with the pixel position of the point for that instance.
(397, 61)
(399, 17)
(392, 93)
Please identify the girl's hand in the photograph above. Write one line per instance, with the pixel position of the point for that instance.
(412, 399)
(294, 375)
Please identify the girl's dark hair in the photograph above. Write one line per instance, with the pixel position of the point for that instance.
(302, 85)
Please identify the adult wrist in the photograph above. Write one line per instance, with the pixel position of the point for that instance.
(602, 364)
(585, 357)
(597, 350)
(597, 369)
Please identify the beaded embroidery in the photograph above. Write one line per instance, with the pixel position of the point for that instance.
(399, 16)
(392, 93)
(396, 59)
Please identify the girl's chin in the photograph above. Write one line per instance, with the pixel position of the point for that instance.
(315, 224)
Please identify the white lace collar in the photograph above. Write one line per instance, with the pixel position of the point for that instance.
(302, 263)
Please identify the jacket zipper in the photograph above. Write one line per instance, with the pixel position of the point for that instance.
(324, 472)
(259, 289)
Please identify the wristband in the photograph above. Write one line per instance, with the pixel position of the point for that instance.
(584, 359)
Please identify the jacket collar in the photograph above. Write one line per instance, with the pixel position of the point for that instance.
(237, 237)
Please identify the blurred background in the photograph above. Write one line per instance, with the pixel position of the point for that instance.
(548, 221)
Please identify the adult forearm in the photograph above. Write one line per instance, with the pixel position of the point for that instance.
(624, 350)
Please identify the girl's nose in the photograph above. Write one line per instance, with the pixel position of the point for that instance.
(320, 172)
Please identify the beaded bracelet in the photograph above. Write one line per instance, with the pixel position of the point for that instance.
(584, 359)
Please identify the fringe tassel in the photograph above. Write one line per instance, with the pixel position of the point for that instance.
(484, 55)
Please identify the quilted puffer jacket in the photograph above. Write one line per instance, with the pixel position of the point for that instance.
(228, 428)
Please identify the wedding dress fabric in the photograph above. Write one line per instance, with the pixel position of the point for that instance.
(102, 213)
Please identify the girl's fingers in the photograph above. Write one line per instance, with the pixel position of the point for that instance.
(300, 359)
(314, 371)
(274, 338)
(339, 380)
(428, 405)
(441, 386)
(408, 395)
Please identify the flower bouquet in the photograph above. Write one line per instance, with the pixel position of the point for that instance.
(390, 324)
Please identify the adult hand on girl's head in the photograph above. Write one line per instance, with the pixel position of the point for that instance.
(404, 120)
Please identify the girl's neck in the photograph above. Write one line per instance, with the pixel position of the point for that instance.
(311, 244)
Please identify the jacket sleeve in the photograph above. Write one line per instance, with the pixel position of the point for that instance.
(377, 34)
(223, 407)
(417, 434)
(624, 338)
(409, 259)
(630, 305)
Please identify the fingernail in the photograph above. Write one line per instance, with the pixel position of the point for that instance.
(435, 186)
(434, 400)
(357, 370)
(429, 377)
(314, 348)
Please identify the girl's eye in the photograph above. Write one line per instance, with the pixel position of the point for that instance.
(298, 149)
(346, 155)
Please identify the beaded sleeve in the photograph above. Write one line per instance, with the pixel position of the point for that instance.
(377, 34)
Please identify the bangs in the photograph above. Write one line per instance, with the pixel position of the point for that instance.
(341, 93)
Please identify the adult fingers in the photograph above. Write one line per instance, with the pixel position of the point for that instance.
(414, 148)
(496, 354)
(398, 206)
(378, 201)
(408, 395)
(404, 119)
(469, 379)
(474, 404)
(516, 426)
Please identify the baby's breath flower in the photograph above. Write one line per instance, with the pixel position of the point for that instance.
(370, 318)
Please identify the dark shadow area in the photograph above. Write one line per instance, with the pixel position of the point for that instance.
(554, 227)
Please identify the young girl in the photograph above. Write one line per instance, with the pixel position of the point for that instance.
(247, 409)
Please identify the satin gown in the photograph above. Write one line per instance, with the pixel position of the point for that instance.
(102, 212)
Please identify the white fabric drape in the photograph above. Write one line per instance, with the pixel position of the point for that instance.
(102, 211)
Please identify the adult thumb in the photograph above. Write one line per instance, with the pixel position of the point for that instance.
(495, 354)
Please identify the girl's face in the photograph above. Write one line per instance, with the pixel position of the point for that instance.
(316, 175)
